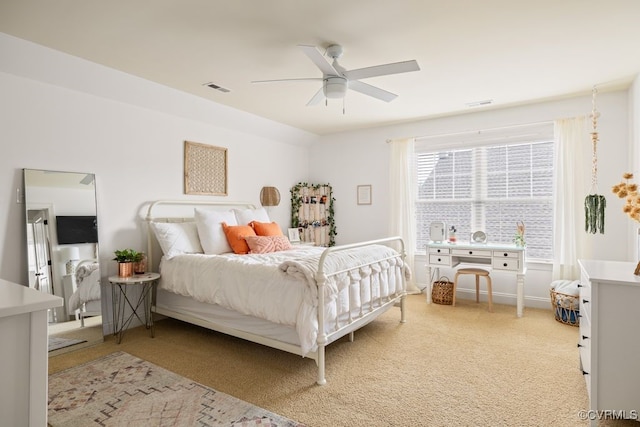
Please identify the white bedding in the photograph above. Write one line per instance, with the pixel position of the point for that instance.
(88, 286)
(280, 286)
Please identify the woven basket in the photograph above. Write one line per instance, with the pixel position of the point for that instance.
(566, 308)
(442, 291)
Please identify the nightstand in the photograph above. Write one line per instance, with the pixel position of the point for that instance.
(121, 291)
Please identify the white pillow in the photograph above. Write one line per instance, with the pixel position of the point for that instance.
(209, 224)
(245, 216)
(177, 238)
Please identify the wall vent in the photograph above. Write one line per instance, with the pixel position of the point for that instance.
(216, 87)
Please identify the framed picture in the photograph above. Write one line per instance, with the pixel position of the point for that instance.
(364, 194)
(205, 169)
(294, 235)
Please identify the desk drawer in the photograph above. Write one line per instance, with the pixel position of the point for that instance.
(441, 251)
(471, 252)
(435, 259)
(505, 264)
(505, 254)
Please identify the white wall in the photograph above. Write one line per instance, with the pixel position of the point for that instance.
(61, 113)
(349, 159)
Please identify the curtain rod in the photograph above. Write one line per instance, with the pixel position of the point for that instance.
(475, 131)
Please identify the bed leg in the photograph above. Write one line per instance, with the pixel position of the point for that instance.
(351, 336)
(403, 318)
(321, 379)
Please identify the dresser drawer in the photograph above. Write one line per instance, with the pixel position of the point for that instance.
(471, 252)
(505, 264)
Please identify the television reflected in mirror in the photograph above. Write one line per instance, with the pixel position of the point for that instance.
(62, 253)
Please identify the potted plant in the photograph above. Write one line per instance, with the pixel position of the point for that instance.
(125, 259)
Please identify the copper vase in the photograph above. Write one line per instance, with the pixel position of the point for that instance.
(125, 269)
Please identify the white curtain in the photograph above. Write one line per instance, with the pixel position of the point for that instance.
(572, 184)
(402, 195)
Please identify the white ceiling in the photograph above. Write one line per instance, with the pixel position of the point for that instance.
(510, 51)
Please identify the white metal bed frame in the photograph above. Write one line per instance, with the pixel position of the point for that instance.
(378, 305)
(84, 311)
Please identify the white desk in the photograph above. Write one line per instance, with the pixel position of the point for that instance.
(502, 257)
(24, 354)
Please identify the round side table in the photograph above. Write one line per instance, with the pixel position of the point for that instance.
(121, 291)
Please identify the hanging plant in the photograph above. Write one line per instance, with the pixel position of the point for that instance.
(594, 204)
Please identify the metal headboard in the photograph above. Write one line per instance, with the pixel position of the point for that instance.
(152, 216)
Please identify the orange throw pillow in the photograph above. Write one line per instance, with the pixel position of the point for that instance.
(236, 235)
(266, 228)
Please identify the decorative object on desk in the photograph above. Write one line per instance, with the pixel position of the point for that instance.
(629, 191)
(519, 237)
(479, 237)
(205, 169)
(442, 291)
(452, 234)
(72, 255)
(437, 231)
(594, 204)
(269, 196)
(126, 258)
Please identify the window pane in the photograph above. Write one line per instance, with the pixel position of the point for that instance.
(489, 188)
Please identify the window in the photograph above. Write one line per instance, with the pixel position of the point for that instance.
(487, 185)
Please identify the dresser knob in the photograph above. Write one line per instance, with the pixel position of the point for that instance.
(505, 264)
(584, 301)
(580, 345)
(439, 259)
(585, 373)
(438, 250)
(470, 252)
(506, 254)
(584, 337)
(579, 285)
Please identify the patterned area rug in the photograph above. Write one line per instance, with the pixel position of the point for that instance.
(56, 343)
(120, 389)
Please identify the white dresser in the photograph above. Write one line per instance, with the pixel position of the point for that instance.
(609, 341)
(24, 354)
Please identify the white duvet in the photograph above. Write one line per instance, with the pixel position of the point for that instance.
(280, 287)
(88, 283)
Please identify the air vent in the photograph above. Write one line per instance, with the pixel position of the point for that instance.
(216, 87)
(480, 103)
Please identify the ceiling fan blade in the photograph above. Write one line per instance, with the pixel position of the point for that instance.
(315, 79)
(382, 70)
(318, 58)
(373, 91)
(315, 100)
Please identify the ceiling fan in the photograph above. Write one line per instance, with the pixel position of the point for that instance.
(336, 79)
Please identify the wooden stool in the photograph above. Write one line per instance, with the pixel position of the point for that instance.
(477, 272)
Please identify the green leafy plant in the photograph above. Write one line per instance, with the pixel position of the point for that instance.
(128, 255)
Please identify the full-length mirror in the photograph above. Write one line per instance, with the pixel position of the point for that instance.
(62, 246)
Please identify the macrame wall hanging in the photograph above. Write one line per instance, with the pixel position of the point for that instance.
(594, 204)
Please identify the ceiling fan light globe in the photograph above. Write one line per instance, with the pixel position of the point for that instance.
(335, 87)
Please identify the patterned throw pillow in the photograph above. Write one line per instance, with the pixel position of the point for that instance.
(267, 244)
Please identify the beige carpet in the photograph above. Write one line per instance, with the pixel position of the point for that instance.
(447, 366)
